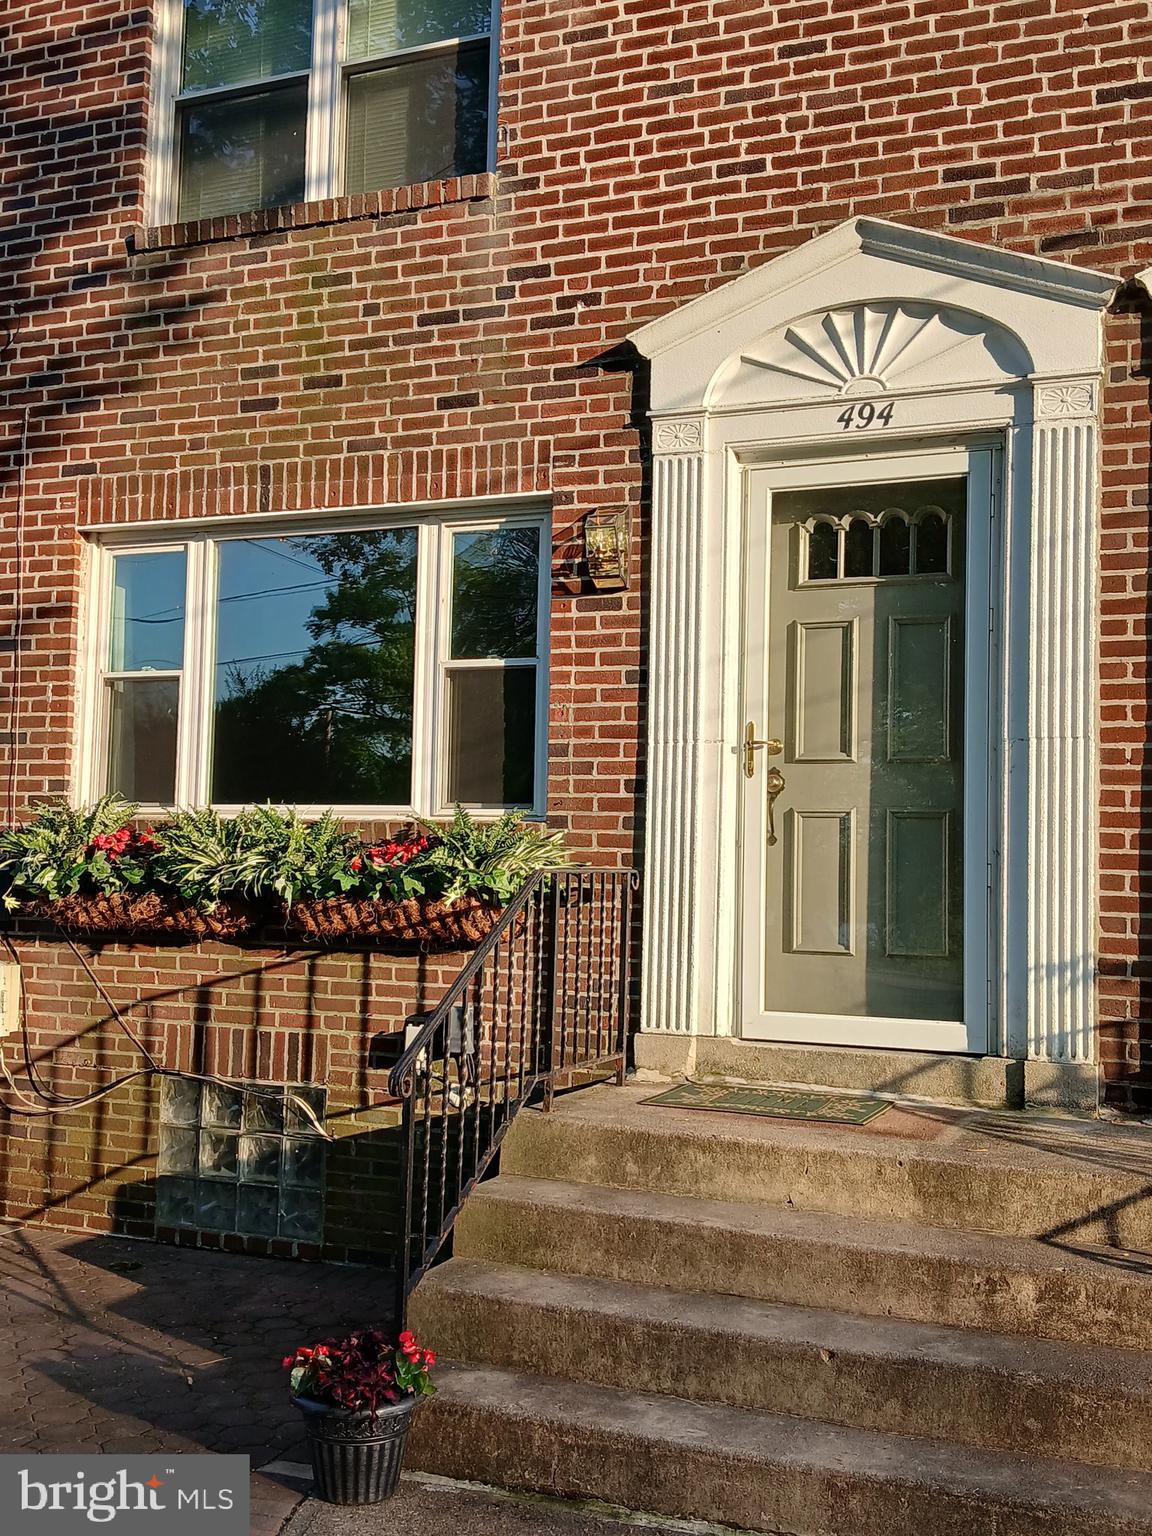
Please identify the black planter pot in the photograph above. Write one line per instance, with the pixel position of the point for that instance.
(356, 1457)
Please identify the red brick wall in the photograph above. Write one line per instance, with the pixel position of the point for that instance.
(1125, 980)
(259, 1015)
(649, 151)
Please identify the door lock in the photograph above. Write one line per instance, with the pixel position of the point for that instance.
(770, 744)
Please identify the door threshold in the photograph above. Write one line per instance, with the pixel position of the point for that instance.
(986, 1082)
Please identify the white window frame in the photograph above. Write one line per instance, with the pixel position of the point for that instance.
(327, 93)
(435, 530)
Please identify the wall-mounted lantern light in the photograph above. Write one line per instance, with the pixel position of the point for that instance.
(606, 549)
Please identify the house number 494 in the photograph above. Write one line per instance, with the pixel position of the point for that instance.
(865, 414)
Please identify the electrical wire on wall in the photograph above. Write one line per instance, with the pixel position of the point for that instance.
(46, 1101)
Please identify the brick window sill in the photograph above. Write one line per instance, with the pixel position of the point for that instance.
(333, 210)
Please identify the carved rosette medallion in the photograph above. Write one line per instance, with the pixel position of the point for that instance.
(679, 436)
(1055, 402)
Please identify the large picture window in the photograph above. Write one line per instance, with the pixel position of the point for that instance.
(262, 103)
(391, 668)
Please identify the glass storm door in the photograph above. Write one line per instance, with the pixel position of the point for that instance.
(864, 756)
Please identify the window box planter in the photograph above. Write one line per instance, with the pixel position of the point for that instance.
(202, 875)
(357, 1457)
(146, 915)
(421, 922)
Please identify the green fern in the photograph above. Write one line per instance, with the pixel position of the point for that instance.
(489, 858)
(263, 852)
(198, 856)
(280, 853)
(50, 856)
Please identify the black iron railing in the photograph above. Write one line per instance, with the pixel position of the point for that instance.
(542, 1003)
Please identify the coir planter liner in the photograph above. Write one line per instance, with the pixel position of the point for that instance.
(422, 922)
(146, 914)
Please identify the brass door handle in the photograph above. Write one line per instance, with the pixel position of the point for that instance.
(771, 745)
(773, 786)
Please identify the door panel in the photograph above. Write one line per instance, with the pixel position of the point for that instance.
(856, 856)
(819, 861)
(824, 690)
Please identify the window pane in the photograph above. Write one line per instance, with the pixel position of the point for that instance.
(418, 122)
(491, 735)
(858, 548)
(895, 547)
(227, 42)
(822, 552)
(314, 659)
(260, 1158)
(242, 154)
(142, 739)
(495, 586)
(303, 1160)
(932, 545)
(378, 26)
(257, 1210)
(147, 629)
(218, 1153)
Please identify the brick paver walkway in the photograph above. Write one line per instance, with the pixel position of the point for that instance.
(112, 1345)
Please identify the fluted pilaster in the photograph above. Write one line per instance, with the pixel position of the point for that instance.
(1062, 811)
(675, 667)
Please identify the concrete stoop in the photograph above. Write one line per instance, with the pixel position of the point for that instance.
(820, 1351)
(756, 1471)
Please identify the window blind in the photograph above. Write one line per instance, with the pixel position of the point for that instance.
(418, 122)
(229, 42)
(243, 153)
(380, 26)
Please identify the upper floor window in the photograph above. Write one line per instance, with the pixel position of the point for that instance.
(262, 103)
(374, 669)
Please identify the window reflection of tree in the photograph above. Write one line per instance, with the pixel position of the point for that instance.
(333, 721)
(379, 26)
(227, 42)
(335, 724)
(494, 599)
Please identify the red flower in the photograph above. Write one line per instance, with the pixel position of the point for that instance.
(360, 1371)
(397, 851)
(111, 843)
(357, 864)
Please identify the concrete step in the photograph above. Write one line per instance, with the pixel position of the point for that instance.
(803, 1258)
(1032, 1397)
(755, 1471)
(995, 1082)
(1076, 1181)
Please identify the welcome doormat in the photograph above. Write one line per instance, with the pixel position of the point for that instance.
(781, 1103)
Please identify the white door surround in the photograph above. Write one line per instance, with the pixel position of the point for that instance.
(883, 337)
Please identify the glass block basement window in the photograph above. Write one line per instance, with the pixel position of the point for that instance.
(232, 1160)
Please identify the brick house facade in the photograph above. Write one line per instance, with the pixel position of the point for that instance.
(464, 343)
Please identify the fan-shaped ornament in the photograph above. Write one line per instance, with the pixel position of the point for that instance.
(866, 349)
